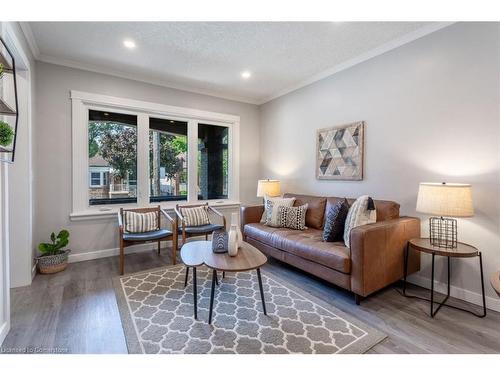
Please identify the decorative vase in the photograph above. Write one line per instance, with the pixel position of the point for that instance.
(219, 241)
(236, 222)
(232, 245)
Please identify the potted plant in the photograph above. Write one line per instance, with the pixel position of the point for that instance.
(54, 258)
(1, 69)
(6, 134)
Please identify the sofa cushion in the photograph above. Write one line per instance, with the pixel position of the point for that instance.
(306, 244)
(315, 209)
(386, 210)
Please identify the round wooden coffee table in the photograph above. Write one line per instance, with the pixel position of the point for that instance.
(197, 253)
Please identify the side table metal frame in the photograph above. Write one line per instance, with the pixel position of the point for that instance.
(433, 311)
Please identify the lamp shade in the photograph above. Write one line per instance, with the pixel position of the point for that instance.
(442, 199)
(270, 188)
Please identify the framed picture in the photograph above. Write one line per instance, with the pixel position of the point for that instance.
(339, 152)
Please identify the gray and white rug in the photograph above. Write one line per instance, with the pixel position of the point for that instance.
(157, 316)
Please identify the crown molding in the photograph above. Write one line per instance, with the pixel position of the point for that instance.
(398, 42)
(141, 78)
(393, 44)
(30, 38)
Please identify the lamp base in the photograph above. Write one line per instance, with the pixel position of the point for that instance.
(443, 232)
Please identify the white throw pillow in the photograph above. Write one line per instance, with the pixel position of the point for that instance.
(271, 204)
(358, 215)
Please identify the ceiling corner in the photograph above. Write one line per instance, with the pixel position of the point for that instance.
(28, 34)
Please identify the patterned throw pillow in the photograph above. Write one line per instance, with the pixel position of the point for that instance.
(271, 209)
(362, 212)
(335, 221)
(195, 216)
(136, 222)
(292, 217)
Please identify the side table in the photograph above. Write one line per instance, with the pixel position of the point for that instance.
(461, 251)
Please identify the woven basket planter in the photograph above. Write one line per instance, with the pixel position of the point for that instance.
(53, 263)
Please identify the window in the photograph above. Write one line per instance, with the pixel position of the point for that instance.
(112, 150)
(95, 179)
(167, 160)
(135, 153)
(212, 161)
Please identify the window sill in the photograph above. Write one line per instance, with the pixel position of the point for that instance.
(105, 213)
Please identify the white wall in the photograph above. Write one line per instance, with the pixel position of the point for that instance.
(16, 199)
(53, 147)
(432, 114)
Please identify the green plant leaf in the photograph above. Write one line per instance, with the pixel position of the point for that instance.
(6, 134)
(64, 234)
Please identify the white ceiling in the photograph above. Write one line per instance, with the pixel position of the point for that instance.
(208, 57)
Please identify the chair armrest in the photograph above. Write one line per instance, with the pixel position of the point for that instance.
(179, 215)
(169, 218)
(120, 222)
(377, 253)
(218, 214)
(250, 214)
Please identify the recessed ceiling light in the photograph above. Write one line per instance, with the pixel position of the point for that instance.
(246, 74)
(129, 43)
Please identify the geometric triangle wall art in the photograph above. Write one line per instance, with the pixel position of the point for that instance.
(340, 152)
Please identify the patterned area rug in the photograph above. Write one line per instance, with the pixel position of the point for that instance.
(157, 316)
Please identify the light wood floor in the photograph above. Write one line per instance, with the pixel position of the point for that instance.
(76, 311)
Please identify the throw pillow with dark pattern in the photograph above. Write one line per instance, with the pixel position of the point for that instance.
(335, 221)
(292, 217)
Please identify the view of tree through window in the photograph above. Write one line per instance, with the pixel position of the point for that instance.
(112, 145)
(167, 160)
(212, 162)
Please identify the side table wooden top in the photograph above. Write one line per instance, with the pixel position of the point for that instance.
(462, 250)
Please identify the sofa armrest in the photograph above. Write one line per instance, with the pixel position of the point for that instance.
(250, 214)
(377, 253)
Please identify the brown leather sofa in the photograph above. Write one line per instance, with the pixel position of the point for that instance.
(376, 256)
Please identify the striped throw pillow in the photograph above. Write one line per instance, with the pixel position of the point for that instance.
(195, 216)
(136, 222)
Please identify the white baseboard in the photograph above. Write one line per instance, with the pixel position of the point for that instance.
(459, 293)
(4, 330)
(90, 255)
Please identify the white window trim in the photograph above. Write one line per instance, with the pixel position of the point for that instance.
(81, 102)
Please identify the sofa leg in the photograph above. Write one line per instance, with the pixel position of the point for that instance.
(358, 299)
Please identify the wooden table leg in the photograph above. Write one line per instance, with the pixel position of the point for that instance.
(261, 291)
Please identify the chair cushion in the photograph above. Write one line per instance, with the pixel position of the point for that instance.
(137, 222)
(202, 229)
(147, 236)
(307, 244)
(195, 216)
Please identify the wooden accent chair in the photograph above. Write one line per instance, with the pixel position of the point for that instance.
(158, 235)
(200, 230)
